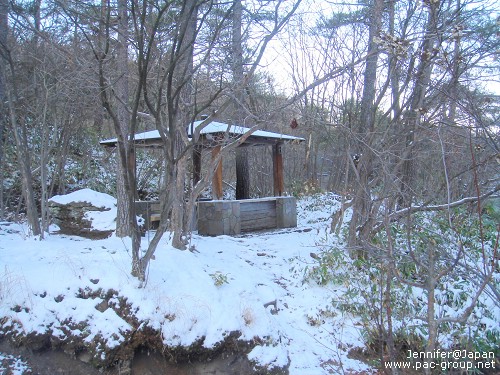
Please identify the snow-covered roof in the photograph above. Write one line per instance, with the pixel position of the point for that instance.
(213, 128)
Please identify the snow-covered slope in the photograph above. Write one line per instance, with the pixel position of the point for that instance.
(73, 287)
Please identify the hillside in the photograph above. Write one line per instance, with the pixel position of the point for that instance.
(286, 301)
(77, 294)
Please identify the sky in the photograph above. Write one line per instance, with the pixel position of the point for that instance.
(277, 60)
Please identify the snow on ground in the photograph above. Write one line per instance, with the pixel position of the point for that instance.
(252, 284)
(12, 365)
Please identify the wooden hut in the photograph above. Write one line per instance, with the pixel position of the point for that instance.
(229, 216)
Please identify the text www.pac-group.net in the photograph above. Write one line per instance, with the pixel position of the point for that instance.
(445, 360)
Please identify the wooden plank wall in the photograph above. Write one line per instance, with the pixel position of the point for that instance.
(257, 215)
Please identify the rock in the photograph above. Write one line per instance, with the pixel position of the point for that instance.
(76, 216)
(71, 219)
(102, 306)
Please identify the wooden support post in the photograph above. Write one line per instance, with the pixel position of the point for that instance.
(242, 174)
(278, 170)
(217, 179)
(196, 165)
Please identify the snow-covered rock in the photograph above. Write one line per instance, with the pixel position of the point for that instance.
(86, 213)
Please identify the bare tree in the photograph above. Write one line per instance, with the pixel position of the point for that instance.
(412, 129)
(171, 104)
(114, 98)
(18, 123)
(362, 197)
(126, 170)
(4, 11)
(242, 167)
(413, 114)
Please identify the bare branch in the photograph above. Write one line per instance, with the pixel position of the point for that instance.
(440, 207)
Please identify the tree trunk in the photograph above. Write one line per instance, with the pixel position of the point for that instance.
(44, 162)
(123, 228)
(4, 26)
(18, 125)
(126, 222)
(242, 165)
(431, 313)
(4, 8)
(124, 128)
(413, 116)
(179, 240)
(24, 159)
(394, 69)
(362, 197)
(182, 78)
(455, 69)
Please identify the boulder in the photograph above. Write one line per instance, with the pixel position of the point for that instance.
(82, 214)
